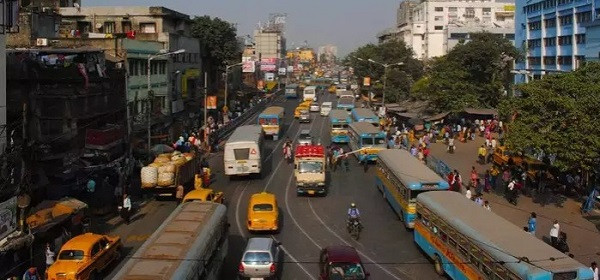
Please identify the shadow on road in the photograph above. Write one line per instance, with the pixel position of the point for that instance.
(236, 246)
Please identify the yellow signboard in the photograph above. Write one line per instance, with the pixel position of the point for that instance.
(367, 81)
(509, 8)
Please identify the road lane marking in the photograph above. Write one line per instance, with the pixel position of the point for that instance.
(347, 243)
(294, 259)
(237, 207)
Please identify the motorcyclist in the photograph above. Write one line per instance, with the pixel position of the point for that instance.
(353, 214)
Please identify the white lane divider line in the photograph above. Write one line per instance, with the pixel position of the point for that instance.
(237, 214)
(294, 259)
(359, 251)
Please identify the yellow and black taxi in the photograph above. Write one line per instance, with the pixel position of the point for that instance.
(85, 257)
(204, 195)
(263, 214)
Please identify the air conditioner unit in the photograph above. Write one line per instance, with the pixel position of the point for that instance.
(41, 42)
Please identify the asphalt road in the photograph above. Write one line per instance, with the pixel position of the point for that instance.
(307, 223)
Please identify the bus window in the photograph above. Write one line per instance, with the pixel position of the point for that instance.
(463, 251)
(444, 236)
(367, 141)
(241, 154)
(452, 242)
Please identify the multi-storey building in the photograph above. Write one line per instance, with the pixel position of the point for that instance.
(328, 53)
(552, 34)
(432, 28)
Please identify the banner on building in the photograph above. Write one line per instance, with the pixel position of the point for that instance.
(248, 66)
(268, 67)
(8, 217)
(268, 61)
(290, 69)
(367, 81)
(260, 84)
(211, 102)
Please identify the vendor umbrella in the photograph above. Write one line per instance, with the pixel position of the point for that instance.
(161, 149)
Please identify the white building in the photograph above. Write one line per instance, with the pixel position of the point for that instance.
(431, 28)
(328, 52)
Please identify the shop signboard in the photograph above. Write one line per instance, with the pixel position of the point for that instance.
(8, 217)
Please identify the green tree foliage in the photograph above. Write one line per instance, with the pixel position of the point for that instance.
(218, 39)
(558, 115)
(399, 78)
(473, 74)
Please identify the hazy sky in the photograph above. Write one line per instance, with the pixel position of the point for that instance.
(345, 23)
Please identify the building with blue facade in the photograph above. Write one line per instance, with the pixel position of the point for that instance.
(552, 35)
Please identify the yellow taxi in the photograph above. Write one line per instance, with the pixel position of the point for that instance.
(84, 257)
(204, 195)
(263, 214)
(303, 106)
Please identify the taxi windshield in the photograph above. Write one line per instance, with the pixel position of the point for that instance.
(346, 271)
(70, 255)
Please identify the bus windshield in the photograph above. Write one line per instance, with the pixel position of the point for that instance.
(339, 126)
(380, 142)
(310, 167)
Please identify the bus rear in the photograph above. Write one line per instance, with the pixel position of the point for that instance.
(339, 120)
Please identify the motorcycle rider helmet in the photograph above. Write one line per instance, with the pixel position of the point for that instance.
(352, 205)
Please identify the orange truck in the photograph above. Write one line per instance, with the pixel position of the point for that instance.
(310, 170)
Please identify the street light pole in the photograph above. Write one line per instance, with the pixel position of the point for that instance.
(149, 88)
(227, 81)
(385, 67)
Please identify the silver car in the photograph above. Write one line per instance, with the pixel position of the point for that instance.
(305, 138)
(261, 259)
(304, 116)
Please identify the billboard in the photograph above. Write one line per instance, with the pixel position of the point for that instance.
(248, 66)
(367, 81)
(269, 61)
(268, 67)
(211, 102)
(8, 217)
(282, 71)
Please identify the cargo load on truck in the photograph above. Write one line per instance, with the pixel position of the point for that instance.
(310, 170)
(168, 171)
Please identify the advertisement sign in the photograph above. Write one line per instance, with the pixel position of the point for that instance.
(211, 102)
(290, 68)
(248, 67)
(282, 71)
(367, 81)
(268, 67)
(268, 61)
(8, 217)
(260, 85)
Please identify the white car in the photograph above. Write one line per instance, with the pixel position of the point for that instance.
(326, 108)
(314, 107)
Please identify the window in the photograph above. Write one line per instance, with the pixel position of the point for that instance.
(149, 27)
(452, 242)
(487, 11)
(533, 60)
(534, 43)
(458, 35)
(510, 36)
(565, 60)
(469, 12)
(96, 248)
(583, 17)
(535, 25)
(126, 26)
(580, 38)
(550, 22)
(452, 9)
(565, 40)
(566, 20)
(549, 60)
(438, 27)
(109, 27)
(550, 41)
(463, 251)
(438, 18)
(439, 9)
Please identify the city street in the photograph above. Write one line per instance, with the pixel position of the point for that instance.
(308, 223)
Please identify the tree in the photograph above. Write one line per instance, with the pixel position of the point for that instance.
(399, 78)
(218, 40)
(557, 115)
(472, 74)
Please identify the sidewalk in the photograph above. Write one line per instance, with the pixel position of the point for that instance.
(582, 231)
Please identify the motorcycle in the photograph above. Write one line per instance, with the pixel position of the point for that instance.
(354, 228)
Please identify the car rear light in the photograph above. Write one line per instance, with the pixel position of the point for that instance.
(273, 268)
(249, 223)
(241, 268)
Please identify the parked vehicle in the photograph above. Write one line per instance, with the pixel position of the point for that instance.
(172, 170)
(261, 259)
(85, 257)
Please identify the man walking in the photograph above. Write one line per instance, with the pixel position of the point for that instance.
(126, 210)
(594, 269)
(532, 223)
(554, 230)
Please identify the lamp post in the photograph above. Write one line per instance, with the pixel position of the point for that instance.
(150, 96)
(385, 67)
(227, 81)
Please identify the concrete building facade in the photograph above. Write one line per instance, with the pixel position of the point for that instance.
(431, 28)
(327, 52)
(554, 35)
(269, 44)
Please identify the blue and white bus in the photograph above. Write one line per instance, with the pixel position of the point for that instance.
(400, 177)
(340, 120)
(346, 102)
(291, 91)
(366, 138)
(465, 241)
(364, 115)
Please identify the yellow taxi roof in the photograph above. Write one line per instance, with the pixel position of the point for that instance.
(82, 242)
(263, 197)
(202, 193)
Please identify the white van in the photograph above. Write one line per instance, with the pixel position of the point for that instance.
(244, 151)
(310, 93)
(326, 108)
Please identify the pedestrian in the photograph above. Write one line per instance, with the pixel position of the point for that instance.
(594, 269)
(486, 205)
(554, 230)
(179, 194)
(562, 245)
(49, 256)
(512, 192)
(487, 180)
(482, 152)
(478, 187)
(450, 178)
(126, 209)
(532, 223)
(457, 181)
(31, 274)
(468, 193)
(474, 177)
(479, 199)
